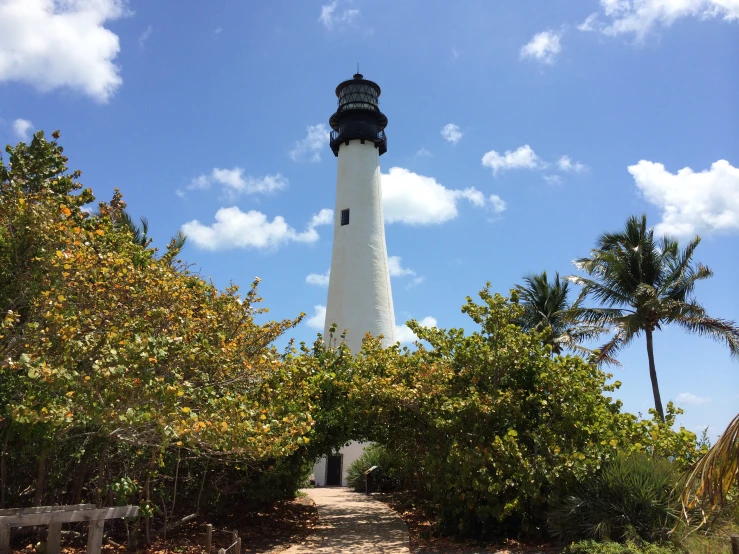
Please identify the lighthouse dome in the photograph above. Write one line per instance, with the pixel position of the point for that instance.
(358, 94)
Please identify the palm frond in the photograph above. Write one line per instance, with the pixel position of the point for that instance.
(706, 486)
(720, 330)
(605, 354)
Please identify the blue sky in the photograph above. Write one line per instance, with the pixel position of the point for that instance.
(518, 132)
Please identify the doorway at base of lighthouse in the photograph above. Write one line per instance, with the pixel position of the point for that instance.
(333, 470)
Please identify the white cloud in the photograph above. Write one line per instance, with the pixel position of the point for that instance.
(422, 153)
(309, 148)
(451, 133)
(565, 163)
(590, 23)
(53, 44)
(145, 36)
(318, 319)
(318, 279)
(22, 129)
(497, 204)
(404, 335)
(639, 17)
(236, 229)
(396, 268)
(521, 158)
(418, 200)
(553, 179)
(543, 47)
(690, 399)
(692, 203)
(218, 30)
(234, 182)
(331, 15)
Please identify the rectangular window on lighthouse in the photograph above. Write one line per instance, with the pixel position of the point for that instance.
(345, 217)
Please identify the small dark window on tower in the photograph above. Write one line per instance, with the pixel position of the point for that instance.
(345, 217)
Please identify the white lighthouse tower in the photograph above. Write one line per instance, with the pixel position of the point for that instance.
(359, 296)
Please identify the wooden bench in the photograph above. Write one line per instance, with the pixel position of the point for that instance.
(54, 516)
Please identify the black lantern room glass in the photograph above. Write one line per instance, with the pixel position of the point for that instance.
(358, 116)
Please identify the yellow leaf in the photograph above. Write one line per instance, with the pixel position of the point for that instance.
(186, 410)
(100, 232)
(87, 377)
(70, 393)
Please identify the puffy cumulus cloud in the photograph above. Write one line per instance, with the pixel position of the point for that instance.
(451, 133)
(395, 266)
(22, 129)
(309, 148)
(51, 44)
(543, 47)
(690, 399)
(236, 229)
(332, 15)
(404, 335)
(419, 200)
(318, 279)
(522, 157)
(234, 182)
(565, 163)
(318, 319)
(639, 17)
(691, 203)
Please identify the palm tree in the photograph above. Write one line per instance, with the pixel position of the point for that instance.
(140, 236)
(548, 311)
(140, 233)
(644, 283)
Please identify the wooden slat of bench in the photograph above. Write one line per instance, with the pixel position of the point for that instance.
(24, 520)
(45, 509)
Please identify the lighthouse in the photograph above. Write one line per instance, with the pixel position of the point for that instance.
(359, 297)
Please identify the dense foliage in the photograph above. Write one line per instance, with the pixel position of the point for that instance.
(389, 475)
(491, 425)
(121, 372)
(630, 497)
(630, 547)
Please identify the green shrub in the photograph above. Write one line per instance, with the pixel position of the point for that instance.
(388, 476)
(594, 547)
(632, 496)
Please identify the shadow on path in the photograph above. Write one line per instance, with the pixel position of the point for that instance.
(353, 522)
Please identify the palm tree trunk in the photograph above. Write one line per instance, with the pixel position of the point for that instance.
(653, 377)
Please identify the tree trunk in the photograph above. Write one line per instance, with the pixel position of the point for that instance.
(40, 475)
(653, 377)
